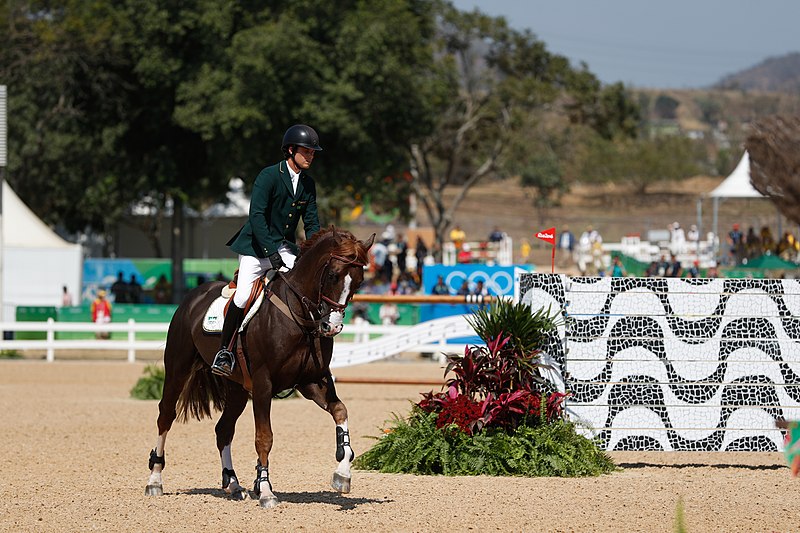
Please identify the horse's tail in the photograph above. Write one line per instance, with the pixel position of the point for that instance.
(202, 390)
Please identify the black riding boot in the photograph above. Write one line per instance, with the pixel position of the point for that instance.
(223, 361)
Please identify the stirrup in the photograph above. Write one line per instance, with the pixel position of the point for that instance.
(223, 363)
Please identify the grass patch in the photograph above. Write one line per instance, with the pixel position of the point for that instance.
(10, 354)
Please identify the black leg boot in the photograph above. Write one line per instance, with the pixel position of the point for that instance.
(223, 361)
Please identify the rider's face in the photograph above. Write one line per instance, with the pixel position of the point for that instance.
(303, 157)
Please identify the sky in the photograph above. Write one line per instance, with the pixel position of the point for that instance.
(673, 44)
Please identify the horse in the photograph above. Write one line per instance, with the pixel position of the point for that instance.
(289, 345)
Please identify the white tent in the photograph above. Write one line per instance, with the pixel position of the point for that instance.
(36, 263)
(736, 185)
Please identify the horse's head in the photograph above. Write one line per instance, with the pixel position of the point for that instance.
(339, 273)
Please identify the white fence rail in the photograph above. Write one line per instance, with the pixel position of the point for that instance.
(372, 342)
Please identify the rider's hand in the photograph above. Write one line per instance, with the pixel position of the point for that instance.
(276, 260)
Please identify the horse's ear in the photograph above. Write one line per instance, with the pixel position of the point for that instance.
(369, 242)
(336, 238)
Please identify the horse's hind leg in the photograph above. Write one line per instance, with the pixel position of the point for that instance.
(235, 402)
(177, 366)
(324, 395)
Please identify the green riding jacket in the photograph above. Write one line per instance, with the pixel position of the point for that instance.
(275, 213)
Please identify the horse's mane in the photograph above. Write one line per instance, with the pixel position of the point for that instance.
(349, 246)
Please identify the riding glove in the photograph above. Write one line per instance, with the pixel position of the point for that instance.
(276, 260)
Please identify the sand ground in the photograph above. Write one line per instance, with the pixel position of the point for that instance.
(76, 449)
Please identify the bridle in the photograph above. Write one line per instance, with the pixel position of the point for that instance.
(314, 308)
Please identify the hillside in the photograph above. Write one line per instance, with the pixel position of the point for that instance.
(775, 74)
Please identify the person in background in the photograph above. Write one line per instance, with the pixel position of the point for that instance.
(458, 236)
(162, 290)
(693, 237)
(480, 289)
(66, 297)
(694, 270)
(282, 195)
(617, 270)
(767, 240)
(464, 289)
(441, 287)
(735, 245)
(675, 269)
(120, 290)
(752, 243)
(101, 313)
(465, 254)
(134, 291)
(496, 235)
(566, 247)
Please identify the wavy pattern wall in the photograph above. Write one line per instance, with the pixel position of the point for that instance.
(674, 364)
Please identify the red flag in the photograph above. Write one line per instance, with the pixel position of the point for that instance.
(548, 235)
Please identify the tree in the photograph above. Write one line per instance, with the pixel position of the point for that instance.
(487, 82)
(775, 162)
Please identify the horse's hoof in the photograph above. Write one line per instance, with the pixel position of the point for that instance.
(340, 483)
(268, 502)
(154, 490)
(239, 495)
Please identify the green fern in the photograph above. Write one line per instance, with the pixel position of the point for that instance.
(416, 446)
(151, 385)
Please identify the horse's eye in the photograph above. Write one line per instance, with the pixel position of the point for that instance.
(333, 276)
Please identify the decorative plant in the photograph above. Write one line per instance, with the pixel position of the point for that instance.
(497, 414)
(151, 385)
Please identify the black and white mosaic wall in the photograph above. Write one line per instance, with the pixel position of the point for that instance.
(675, 364)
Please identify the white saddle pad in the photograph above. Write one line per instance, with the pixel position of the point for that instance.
(215, 315)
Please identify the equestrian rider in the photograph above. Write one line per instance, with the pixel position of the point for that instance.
(282, 194)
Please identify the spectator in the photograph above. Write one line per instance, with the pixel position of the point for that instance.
(677, 239)
(694, 270)
(464, 289)
(360, 318)
(480, 289)
(66, 297)
(663, 266)
(458, 236)
(735, 245)
(693, 237)
(402, 252)
(441, 287)
(652, 270)
(101, 313)
(675, 270)
(767, 240)
(120, 290)
(134, 291)
(566, 247)
(752, 243)
(465, 254)
(617, 269)
(496, 235)
(162, 290)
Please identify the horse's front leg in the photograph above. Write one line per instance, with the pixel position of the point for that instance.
(262, 403)
(323, 394)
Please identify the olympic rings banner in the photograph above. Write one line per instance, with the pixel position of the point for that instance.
(498, 281)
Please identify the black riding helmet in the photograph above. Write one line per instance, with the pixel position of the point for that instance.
(300, 135)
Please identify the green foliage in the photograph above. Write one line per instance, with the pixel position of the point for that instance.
(151, 385)
(10, 354)
(498, 415)
(417, 446)
(526, 330)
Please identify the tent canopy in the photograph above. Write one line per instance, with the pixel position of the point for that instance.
(770, 262)
(737, 184)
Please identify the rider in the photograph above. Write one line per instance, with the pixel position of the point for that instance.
(282, 194)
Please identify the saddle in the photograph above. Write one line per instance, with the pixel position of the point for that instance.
(214, 317)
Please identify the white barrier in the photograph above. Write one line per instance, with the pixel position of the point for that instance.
(426, 337)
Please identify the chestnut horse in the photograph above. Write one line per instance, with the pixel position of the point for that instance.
(289, 344)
